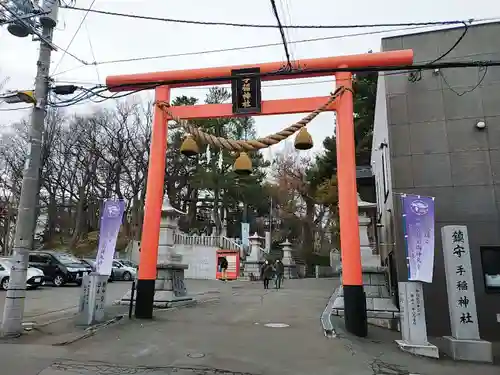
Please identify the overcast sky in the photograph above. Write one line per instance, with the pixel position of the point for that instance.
(120, 38)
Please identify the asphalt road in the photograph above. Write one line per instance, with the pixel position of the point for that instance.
(49, 300)
(242, 330)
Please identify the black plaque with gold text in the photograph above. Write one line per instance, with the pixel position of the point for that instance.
(246, 91)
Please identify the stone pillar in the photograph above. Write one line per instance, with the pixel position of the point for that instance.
(464, 343)
(368, 259)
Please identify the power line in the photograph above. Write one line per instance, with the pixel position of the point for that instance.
(207, 88)
(99, 89)
(93, 54)
(25, 17)
(88, 93)
(14, 109)
(417, 76)
(38, 34)
(457, 42)
(479, 81)
(282, 32)
(74, 35)
(267, 26)
(241, 48)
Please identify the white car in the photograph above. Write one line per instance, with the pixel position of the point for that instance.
(34, 277)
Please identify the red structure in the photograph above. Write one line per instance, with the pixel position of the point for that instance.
(354, 297)
(233, 261)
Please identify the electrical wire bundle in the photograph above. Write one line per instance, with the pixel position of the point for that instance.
(96, 93)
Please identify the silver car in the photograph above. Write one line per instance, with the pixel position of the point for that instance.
(91, 263)
(123, 272)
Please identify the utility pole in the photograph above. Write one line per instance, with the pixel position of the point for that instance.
(26, 214)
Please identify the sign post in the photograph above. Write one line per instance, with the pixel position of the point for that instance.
(464, 342)
(418, 224)
(94, 285)
(92, 299)
(412, 321)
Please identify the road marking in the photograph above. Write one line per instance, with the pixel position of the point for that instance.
(196, 355)
(277, 325)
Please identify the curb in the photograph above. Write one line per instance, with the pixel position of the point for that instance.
(35, 321)
(325, 319)
(92, 330)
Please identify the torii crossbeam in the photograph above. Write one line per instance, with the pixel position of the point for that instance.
(354, 297)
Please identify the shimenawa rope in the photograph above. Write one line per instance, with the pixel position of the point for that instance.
(254, 144)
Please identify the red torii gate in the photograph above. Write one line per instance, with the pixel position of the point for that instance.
(354, 297)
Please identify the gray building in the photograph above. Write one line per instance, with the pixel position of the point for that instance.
(426, 141)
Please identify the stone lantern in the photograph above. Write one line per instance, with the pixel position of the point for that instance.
(255, 248)
(368, 258)
(379, 304)
(169, 225)
(251, 268)
(170, 288)
(287, 252)
(290, 268)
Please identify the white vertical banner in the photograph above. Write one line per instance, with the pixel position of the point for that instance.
(245, 234)
(111, 220)
(418, 226)
(268, 242)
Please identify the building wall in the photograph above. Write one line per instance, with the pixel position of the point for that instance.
(436, 150)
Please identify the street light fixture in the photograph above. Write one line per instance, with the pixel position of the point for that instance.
(24, 96)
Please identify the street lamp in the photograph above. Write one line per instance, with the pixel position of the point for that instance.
(24, 96)
(28, 96)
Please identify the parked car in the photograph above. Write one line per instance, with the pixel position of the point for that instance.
(128, 263)
(123, 272)
(34, 277)
(59, 267)
(91, 263)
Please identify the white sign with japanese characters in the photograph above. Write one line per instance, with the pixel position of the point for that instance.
(459, 282)
(92, 299)
(412, 312)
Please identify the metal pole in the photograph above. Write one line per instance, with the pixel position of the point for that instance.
(131, 306)
(26, 213)
(270, 221)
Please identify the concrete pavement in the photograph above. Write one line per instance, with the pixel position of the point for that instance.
(48, 300)
(228, 335)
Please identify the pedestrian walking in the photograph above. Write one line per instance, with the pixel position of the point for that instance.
(267, 273)
(279, 271)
